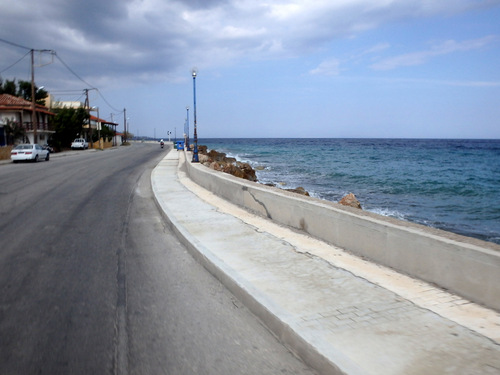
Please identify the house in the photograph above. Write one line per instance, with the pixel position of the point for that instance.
(118, 139)
(19, 111)
(96, 123)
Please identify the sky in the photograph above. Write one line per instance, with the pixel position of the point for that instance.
(273, 68)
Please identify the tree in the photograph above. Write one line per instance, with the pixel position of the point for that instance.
(8, 87)
(128, 136)
(24, 92)
(13, 131)
(68, 124)
(106, 133)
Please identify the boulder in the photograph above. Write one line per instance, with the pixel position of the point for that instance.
(202, 158)
(202, 150)
(216, 156)
(351, 201)
(299, 190)
(220, 162)
(248, 171)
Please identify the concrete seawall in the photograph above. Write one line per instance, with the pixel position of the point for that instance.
(465, 266)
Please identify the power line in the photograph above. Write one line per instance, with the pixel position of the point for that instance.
(66, 91)
(15, 44)
(88, 84)
(72, 71)
(65, 65)
(27, 53)
(103, 98)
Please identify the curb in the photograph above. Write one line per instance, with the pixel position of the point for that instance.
(277, 321)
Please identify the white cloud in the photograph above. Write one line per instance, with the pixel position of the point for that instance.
(421, 57)
(330, 67)
(376, 49)
(160, 37)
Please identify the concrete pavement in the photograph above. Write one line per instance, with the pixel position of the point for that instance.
(338, 312)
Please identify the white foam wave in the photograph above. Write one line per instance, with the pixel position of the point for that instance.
(388, 212)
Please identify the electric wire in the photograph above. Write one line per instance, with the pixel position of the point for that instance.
(88, 84)
(110, 106)
(64, 64)
(10, 66)
(72, 71)
(14, 44)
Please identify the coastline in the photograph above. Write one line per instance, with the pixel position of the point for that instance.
(386, 176)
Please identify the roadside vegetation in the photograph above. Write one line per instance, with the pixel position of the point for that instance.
(68, 123)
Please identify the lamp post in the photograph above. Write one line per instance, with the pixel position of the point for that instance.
(99, 129)
(187, 128)
(195, 150)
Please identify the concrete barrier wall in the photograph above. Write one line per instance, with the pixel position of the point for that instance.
(465, 266)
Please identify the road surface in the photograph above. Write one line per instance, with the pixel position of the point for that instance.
(93, 282)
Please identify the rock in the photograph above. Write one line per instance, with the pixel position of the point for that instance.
(248, 171)
(214, 165)
(350, 200)
(220, 162)
(202, 158)
(216, 156)
(299, 190)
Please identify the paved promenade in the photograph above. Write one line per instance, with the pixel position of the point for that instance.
(339, 313)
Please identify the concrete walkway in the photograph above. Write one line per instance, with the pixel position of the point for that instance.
(339, 313)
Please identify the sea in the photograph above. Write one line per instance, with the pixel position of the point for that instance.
(450, 184)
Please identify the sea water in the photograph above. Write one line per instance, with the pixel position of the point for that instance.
(447, 184)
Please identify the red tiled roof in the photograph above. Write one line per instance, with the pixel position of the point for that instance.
(95, 118)
(13, 102)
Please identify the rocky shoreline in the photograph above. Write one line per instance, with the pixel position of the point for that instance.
(219, 161)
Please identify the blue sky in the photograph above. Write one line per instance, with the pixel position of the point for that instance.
(331, 68)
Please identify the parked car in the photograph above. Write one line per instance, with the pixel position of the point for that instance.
(33, 152)
(79, 143)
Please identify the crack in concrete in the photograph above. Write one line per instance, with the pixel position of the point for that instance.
(258, 202)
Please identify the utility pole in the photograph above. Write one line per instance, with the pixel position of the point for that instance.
(87, 108)
(99, 129)
(33, 100)
(34, 121)
(114, 133)
(125, 124)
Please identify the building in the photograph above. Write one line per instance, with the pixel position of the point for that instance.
(95, 121)
(18, 111)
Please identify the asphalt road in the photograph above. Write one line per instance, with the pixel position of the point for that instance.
(93, 282)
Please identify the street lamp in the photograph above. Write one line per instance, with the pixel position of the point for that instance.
(195, 150)
(187, 128)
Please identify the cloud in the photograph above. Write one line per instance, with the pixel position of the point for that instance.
(421, 57)
(139, 40)
(330, 67)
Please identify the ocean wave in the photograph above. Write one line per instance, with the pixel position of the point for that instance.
(448, 184)
(388, 212)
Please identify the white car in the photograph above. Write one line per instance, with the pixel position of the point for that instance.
(29, 152)
(80, 143)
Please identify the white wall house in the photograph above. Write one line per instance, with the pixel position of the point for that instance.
(19, 111)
